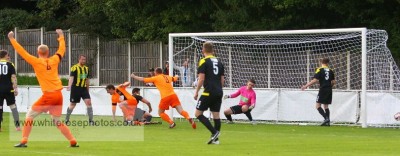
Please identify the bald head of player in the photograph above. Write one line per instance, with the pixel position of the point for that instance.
(43, 51)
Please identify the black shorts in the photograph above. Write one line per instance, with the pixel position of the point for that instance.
(77, 93)
(9, 97)
(324, 96)
(237, 109)
(212, 102)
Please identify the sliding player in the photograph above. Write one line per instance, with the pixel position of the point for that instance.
(140, 114)
(168, 96)
(127, 102)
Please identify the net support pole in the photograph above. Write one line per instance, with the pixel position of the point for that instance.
(230, 67)
(348, 70)
(171, 66)
(269, 69)
(364, 78)
(391, 75)
(308, 66)
(98, 60)
(195, 61)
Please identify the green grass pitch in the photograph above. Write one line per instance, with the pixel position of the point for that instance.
(235, 139)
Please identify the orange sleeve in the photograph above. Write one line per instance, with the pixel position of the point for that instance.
(115, 98)
(21, 51)
(149, 80)
(61, 46)
(61, 50)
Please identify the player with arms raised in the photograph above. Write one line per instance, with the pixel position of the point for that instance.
(46, 70)
(211, 75)
(326, 79)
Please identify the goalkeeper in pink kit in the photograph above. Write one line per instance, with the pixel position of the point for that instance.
(246, 104)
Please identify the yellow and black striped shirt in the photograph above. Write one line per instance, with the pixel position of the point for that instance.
(80, 74)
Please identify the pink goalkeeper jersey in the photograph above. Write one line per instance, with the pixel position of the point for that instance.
(247, 97)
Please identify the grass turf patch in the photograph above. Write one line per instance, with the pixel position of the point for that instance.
(235, 139)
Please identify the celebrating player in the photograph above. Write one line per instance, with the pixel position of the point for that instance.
(246, 104)
(127, 103)
(8, 87)
(168, 96)
(78, 84)
(211, 74)
(326, 79)
(46, 70)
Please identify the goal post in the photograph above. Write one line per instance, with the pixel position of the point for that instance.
(285, 60)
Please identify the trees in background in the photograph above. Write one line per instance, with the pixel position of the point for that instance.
(148, 20)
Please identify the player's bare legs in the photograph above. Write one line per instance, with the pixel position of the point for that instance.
(186, 115)
(128, 111)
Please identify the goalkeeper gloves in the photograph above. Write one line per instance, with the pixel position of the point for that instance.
(251, 107)
(226, 96)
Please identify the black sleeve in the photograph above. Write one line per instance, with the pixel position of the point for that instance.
(222, 70)
(202, 68)
(12, 68)
(138, 97)
(317, 73)
(73, 72)
(89, 76)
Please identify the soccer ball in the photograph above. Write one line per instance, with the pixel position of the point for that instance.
(397, 116)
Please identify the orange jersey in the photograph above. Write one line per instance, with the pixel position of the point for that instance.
(115, 98)
(46, 70)
(163, 84)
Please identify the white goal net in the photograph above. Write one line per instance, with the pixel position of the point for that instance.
(285, 60)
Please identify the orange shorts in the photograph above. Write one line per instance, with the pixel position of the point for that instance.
(49, 102)
(171, 100)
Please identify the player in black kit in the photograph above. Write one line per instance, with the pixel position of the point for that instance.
(326, 79)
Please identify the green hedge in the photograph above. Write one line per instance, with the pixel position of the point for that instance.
(30, 80)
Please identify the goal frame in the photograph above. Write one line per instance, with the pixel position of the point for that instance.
(363, 32)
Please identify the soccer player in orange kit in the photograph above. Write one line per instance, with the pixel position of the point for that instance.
(168, 96)
(46, 70)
